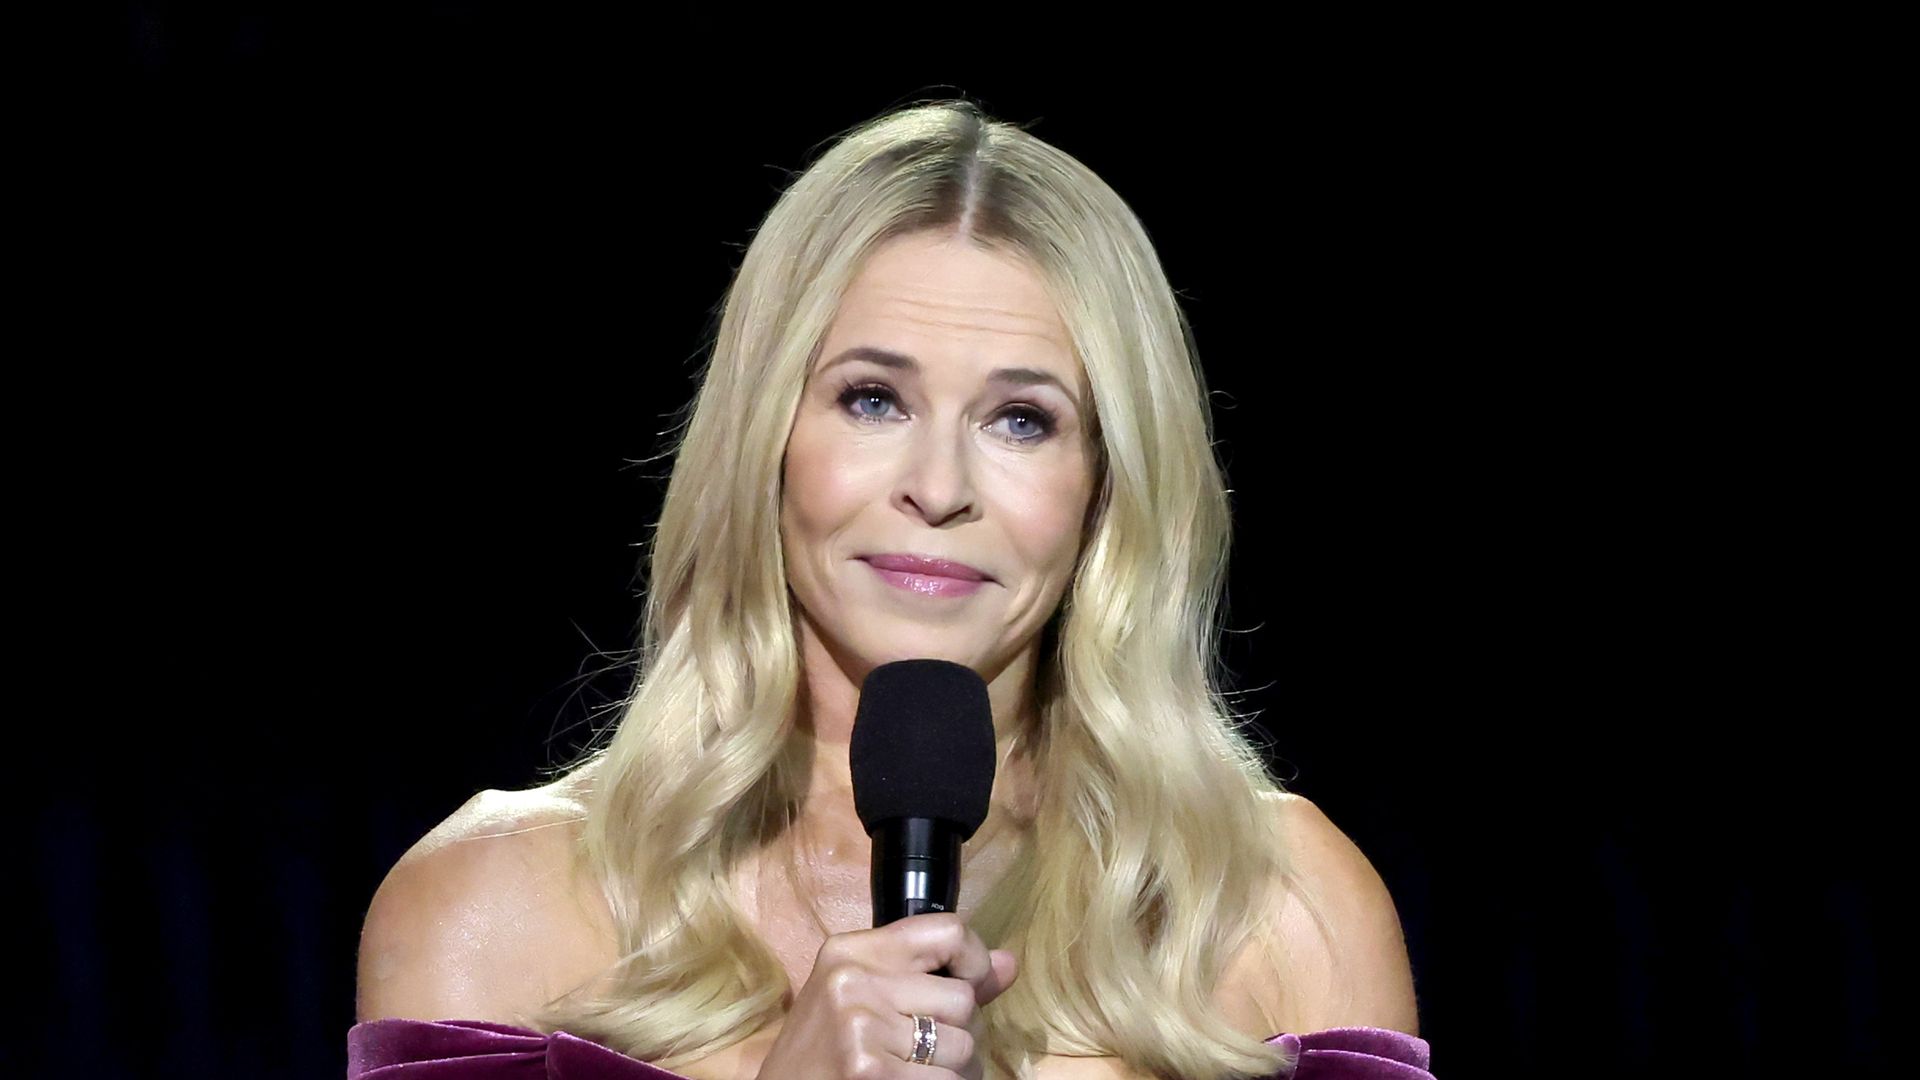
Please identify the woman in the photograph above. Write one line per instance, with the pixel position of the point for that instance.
(953, 411)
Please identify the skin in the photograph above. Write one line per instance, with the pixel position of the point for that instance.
(940, 458)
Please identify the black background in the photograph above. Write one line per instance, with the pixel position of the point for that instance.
(382, 314)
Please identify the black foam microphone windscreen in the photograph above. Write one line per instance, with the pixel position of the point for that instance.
(922, 745)
(922, 757)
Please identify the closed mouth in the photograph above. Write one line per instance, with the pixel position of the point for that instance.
(926, 566)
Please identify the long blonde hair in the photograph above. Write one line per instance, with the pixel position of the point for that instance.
(1154, 848)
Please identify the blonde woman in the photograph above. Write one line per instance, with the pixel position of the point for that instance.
(953, 411)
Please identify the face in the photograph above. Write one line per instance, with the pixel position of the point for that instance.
(944, 420)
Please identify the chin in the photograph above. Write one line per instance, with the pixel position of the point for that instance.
(917, 647)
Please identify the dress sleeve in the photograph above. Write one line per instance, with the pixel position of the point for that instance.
(1356, 1053)
(480, 1050)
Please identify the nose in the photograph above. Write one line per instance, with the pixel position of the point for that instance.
(936, 479)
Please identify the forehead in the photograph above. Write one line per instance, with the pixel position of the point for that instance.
(947, 299)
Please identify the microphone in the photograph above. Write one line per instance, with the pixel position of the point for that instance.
(923, 759)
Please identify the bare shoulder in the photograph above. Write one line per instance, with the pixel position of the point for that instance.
(485, 917)
(1299, 975)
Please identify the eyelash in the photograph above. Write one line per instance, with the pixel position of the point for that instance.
(854, 391)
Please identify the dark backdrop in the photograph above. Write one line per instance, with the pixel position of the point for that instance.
(388, 309)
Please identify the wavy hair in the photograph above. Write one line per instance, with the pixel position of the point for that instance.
(1154, 844)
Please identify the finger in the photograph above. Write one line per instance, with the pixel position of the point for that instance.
(949, 1001)
(928, 943)
(1005, 969)
(987, 972)
(972, 963)
(903, 1070)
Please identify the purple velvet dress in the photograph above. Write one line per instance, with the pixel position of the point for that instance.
(479, 1050)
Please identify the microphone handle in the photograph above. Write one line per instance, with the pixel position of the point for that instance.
(916, 869)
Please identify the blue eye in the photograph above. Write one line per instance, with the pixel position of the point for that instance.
(1039, 423)
(1030, 423)
(856, 396)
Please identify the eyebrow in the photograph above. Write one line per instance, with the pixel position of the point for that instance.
(902, 362)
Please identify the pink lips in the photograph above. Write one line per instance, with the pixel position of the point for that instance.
(928, 577)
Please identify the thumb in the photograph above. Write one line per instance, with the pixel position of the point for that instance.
(1006, 968)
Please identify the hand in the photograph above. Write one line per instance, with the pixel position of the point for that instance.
(853, 1018)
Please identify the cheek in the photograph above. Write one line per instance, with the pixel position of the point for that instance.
(1046, 519)
(820, 489)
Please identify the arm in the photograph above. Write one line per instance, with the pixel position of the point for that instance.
(1290, 979)
(415, 962)
(465, 926)
(1298, 979)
